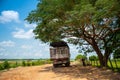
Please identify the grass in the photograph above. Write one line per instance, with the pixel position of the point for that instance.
(7, 64)
(114, 66)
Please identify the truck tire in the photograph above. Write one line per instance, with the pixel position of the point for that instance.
(67, 64)
(55, 65)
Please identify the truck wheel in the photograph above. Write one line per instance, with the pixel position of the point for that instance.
(67, 64)
(54, 65)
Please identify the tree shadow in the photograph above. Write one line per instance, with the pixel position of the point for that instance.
(88, 72)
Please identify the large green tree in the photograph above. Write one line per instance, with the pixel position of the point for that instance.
(92, 22)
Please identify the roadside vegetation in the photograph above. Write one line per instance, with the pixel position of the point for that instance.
(7, 64)
(113, 64)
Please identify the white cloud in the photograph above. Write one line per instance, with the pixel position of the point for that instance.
(2, 49)
(7, 43)
(27, 25)
(9, 16)
(22, 34)
(37, 54)
(33, 55)
(26, 47)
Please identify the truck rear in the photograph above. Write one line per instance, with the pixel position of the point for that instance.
(60, 54)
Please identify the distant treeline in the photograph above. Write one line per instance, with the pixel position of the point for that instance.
(22, 59)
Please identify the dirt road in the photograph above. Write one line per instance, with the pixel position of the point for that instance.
(47, 72)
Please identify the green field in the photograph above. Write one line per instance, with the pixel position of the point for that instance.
(7, 64)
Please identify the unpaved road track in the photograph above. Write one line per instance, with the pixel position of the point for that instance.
(47, 72)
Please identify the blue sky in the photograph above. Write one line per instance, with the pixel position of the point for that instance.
(16, 36)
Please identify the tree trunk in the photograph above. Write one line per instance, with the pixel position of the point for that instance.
(105, 59)
(111, 64)
(102, 61)
(106, 55)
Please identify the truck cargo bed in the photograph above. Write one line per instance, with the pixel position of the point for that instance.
(59, 53)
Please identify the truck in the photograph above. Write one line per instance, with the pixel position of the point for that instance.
(59, 53)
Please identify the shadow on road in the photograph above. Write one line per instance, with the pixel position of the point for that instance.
(88, 72)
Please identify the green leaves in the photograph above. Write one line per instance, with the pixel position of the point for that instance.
(83, 18)
(106, 8)
(95, 22)
(93, 58)
(116, 54)
(79, 57)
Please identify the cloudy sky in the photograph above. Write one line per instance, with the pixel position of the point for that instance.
(16, 36)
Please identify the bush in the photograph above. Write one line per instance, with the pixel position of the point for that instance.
(93, 58)
(6, 65)
(23, 63)
(33, 63)
(1, 67)
(16, 64)
(28, 63)
(79, 57)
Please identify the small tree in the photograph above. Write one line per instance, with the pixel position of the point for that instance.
(33, 63)
(79, 56)
(6, 65)
(23, 63)
(16, 63)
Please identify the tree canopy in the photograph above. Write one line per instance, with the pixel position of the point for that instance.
(95, 23)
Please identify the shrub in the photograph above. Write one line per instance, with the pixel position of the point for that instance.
(33, 63)
(79, 57)
(16, 63)
(1, 67)
(6, 65)
(23, 63)
(28, 63)
(93, 58)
